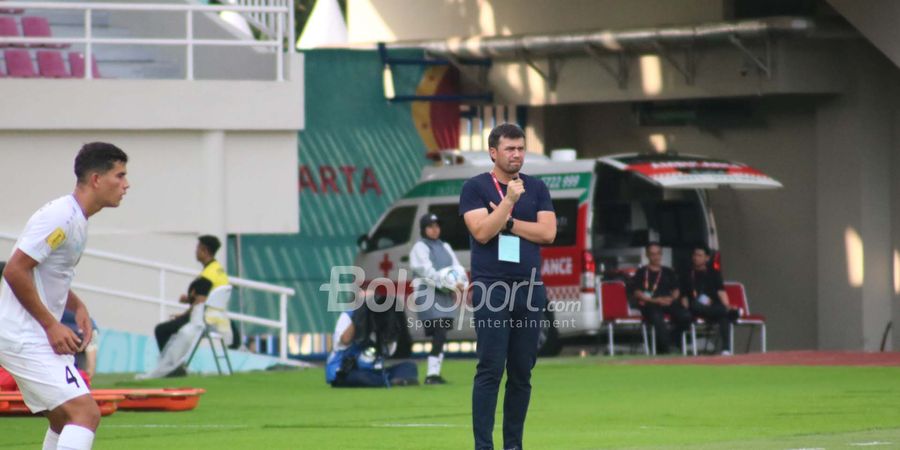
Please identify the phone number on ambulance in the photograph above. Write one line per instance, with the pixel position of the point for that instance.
(561, 181)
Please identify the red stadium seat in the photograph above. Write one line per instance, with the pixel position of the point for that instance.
(10, 10)
(737, 295)
(614, 300)
(34, 26)
(18, 64)
(9, 28)
(51, 64)
(76, 63)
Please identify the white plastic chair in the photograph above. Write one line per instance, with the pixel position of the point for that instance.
(215, 308)
(178, 349)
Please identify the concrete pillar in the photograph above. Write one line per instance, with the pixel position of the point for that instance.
(894, 342)
(213, 188)
(853, 186)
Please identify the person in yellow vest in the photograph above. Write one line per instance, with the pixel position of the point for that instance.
(207, 247)
(214, 273)
(206, 254)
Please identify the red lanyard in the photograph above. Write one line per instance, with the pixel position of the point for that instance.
(499, 191)
(694, 282)
(655, 285)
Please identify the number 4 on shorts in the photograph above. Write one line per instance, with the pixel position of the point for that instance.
(71, 378)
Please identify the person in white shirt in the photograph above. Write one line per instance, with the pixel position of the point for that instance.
(439, 278)
(34, 346)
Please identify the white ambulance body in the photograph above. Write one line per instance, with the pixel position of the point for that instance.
(607, 210)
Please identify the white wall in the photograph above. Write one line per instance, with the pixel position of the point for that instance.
(855, 143)
(398, 20)
(48, 104)
(261, 189)
(165, 210)
(169, 172)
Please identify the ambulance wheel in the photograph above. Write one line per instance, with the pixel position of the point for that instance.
(548, 340)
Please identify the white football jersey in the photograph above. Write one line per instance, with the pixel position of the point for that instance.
(55, 237)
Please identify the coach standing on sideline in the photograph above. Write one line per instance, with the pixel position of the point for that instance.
(509, 215)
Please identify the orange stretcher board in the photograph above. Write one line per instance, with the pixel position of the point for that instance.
(16, 405)
(166, 399)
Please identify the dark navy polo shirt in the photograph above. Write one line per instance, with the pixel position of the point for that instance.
(477, 193)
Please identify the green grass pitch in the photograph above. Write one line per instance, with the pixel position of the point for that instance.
(587, 403)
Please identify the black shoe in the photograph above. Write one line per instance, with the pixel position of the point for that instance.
(179, 372)
(435, 379)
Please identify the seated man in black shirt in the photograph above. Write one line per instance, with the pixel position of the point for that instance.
(197, 293)
(703, 288)
(656, 290)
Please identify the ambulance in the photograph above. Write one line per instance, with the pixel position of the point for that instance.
(607, 210)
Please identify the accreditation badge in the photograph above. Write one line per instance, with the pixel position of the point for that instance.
(704, 299)
(508, 248)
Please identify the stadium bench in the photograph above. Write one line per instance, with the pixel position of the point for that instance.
(737, 295)
(51, 64)
(615, 312)
(76, 63)
(18, 63)
(39, 27)
(9, 28)
(10, 10)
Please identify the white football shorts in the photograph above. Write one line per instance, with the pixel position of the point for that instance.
(45, 379)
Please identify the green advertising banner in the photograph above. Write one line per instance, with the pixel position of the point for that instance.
(357, 155)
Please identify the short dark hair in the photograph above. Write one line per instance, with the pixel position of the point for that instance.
(702, 248)
(652, 244)
(506, 130)
(97, 157)
(211, 243)
(200, 286)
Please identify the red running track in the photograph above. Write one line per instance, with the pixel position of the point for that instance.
(795, 358)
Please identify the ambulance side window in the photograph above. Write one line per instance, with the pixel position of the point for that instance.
(566, 210)
(394, 229)
(453, 227)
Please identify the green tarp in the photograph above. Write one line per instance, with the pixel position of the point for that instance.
(358, 154)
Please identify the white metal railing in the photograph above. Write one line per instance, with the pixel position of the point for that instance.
(277, 12)
(267, 23)
(283, 292)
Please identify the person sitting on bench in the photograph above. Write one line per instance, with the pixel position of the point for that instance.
(702, 286)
